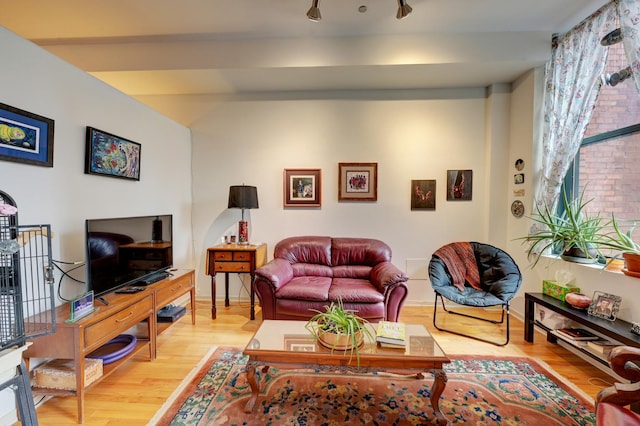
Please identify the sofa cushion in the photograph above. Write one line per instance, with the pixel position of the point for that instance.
(354, 290)
(352, 271)
(315, 250)
(359, 251)
(310, 269)
(305, 288)
(303, 310)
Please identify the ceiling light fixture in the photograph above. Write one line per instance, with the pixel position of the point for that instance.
(314, 13)
(403, 9)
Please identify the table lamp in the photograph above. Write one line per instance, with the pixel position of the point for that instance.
(243, 197)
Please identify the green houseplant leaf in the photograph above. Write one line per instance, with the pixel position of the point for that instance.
(340, 321)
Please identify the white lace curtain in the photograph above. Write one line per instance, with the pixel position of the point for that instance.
(629, 13)
(572, 83)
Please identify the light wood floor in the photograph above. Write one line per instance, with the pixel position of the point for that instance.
(132, 394)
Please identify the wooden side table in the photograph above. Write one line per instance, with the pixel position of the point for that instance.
(235, 258)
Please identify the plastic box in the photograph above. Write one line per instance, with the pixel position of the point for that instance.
(558, 291)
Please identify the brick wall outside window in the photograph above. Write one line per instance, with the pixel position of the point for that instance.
(611, 169)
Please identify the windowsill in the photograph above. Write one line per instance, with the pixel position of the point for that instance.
(599, 266)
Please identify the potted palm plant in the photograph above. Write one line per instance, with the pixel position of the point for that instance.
(338, 328)
(573, 232)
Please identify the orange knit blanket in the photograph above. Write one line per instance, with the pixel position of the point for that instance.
(461, 263)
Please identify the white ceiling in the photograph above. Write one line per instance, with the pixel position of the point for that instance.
(251, 47)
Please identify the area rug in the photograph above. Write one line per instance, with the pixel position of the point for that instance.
(487, 391)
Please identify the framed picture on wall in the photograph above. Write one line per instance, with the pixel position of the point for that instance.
(110, 155)
(358, 181)
(25, 137)
(423, 195)
(302, 188)
(459, 185)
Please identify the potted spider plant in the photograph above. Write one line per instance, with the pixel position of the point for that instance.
(573, 232)
(338, 328)
(628, 249)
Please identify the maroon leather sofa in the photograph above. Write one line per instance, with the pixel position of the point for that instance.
(311, 272)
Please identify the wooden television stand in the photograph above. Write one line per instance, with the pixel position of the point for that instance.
(134, 313)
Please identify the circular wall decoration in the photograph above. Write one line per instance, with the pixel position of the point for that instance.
(517, 208)
(519, 164)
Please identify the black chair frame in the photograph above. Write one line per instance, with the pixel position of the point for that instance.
(505, 308)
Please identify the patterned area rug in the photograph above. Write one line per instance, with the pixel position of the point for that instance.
(487, 391)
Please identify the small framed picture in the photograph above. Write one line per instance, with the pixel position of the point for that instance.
(423, 195)
(299, 343)
(604, 305)
(459, 185)
(518, 178)
(111, 155)
(81, 306)
(358, 181)
(302, 188)
(25, 137)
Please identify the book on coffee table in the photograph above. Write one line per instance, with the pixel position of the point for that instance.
(391, 333)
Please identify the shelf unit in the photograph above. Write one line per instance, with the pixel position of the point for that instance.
(134, 313)
(618, 330)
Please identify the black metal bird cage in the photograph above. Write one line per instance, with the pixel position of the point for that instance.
(26, 278)
(26, 298)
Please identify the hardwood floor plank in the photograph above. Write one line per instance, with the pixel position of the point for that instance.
(134, 392)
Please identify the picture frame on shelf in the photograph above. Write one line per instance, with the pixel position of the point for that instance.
(25, 137)
(605, 305)
(459, 185)
(423, 194)
(302, 187)
(357, 181)
(109, 155)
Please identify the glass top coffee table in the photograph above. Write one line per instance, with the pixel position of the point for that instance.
(290, 344)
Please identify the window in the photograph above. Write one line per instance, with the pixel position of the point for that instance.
(607, 163)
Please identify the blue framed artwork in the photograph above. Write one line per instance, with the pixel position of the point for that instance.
(25, 137)
(110, 155)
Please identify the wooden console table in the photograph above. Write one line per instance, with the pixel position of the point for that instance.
(137, 311)
(235, 258)
(618, 330)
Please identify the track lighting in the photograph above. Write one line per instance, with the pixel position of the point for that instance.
(403, 9)
(314, 13)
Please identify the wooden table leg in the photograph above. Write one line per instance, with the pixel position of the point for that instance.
(253, 297)
(254, 384)
(213, 296)
(226, 289)
(439, 383)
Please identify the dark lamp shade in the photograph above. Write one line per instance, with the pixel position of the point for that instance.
(243, 197)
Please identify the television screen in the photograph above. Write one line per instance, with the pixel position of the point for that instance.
(127, 251)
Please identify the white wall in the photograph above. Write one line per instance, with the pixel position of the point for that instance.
(416, 135)
(33, 80)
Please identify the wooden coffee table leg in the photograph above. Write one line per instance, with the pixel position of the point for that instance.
(254, 384)
(439, 383)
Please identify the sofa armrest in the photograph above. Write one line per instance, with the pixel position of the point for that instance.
(277, 272)
(386, 274)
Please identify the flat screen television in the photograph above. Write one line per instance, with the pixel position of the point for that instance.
(127, 251)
